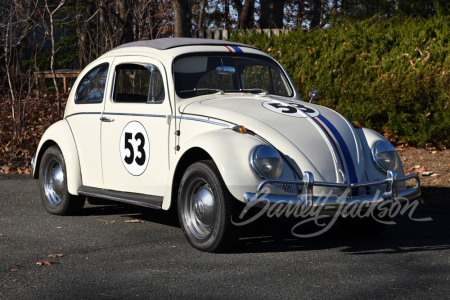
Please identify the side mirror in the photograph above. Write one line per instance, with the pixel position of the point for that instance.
(225, 70)
(313, 95)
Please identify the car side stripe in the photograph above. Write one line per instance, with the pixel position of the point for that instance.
(229, 49)
(344, 148)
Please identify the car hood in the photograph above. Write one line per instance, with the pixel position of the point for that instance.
(312, 137)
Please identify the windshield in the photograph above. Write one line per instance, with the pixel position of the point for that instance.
(218, 73)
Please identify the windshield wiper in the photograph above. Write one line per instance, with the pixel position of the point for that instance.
(254, 90)
(203, 90)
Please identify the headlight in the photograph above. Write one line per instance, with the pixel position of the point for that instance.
(266, 161)
(385, 156)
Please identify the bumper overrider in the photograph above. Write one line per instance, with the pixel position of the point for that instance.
(328, 204)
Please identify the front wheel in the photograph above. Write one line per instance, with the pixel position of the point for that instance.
(53, 185)
(204, 208)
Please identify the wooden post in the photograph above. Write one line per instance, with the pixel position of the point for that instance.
(225, 34)
(217, 34)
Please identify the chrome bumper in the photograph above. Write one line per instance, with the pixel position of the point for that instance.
(263, 198)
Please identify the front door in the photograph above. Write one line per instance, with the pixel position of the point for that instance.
(135, 128)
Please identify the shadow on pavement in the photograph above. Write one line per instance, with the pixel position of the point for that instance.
(275, 235)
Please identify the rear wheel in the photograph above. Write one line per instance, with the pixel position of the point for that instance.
(53, 185)
(204, 208)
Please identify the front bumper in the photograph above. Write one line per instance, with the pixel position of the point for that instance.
(330, 204)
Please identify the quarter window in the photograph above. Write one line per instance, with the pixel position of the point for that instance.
(92, 87)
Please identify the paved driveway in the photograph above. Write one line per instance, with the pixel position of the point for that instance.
(123, 252)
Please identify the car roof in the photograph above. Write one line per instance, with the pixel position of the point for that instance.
(169, 43)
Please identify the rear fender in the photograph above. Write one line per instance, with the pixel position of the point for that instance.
(60, 134)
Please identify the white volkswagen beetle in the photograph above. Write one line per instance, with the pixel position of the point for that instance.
(201, 125)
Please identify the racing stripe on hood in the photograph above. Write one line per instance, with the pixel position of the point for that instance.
(342, 146)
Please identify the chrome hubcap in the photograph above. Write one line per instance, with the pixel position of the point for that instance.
(54, 182)
(199, 211)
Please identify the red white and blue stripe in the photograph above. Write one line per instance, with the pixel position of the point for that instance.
(337, 140)
(234, 49)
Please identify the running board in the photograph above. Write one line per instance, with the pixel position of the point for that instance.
(131, 198)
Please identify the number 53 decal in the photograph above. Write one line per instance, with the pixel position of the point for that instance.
(291, 108)
(134, 148)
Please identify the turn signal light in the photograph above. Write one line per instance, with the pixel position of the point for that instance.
(356, 124)
(240, 129)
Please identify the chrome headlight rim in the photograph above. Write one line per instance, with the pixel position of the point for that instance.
(383, 147)
(253, 164)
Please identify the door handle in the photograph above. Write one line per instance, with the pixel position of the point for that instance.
(105, 119)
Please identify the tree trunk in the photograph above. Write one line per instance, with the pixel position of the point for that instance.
(271, 14)
(227, 14)
(238, 5)
(82, 37)
(126, 19)
(7, 48)
(334, 8)
(397, 5)
(182, 18)
(52, 57)
(202, 15)
(316, 14)
(246, 14)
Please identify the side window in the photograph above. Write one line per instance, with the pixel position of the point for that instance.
(132, 83)
(138, 84)
(92, 87)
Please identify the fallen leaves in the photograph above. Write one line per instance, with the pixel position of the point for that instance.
(16, 152)
(107, 222)
(420, 170)
(134, 221)
(417, 169)
(49, 263)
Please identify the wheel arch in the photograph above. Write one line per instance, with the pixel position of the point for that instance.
(189, 157)
(60, 135)
(230, 151)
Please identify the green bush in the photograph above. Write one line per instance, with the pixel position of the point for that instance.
(391, 75)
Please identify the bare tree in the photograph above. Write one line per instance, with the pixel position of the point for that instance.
(245, 12)
(201, 16)
(316, 11)
(16, 20)
(334, 7)
(182, 18)
(126, 22)
(51, 13)
(271, 13)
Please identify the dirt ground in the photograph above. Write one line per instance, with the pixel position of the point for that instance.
(433, 167)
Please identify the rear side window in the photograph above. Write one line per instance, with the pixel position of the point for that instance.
(138, 84)
(92, 87)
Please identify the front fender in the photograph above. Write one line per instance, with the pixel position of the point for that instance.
(368, 138)
(60, 134)
(230, 151)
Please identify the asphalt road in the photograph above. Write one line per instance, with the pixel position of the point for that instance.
(123, 252)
